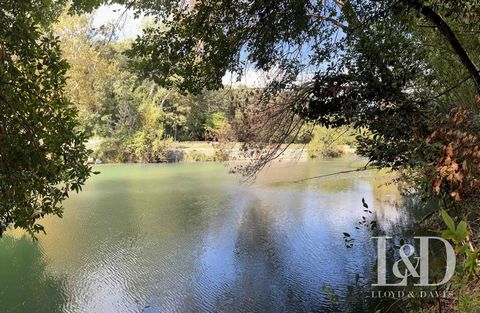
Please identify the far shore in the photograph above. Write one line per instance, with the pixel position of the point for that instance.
(198, 151)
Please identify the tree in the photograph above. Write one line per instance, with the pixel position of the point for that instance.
(92, 71)
(176, 108)
(206, 109)
(369, 64)
(42, 154)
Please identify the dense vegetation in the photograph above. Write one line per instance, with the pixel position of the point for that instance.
(132, 119)
(400, 75)
(64, 81)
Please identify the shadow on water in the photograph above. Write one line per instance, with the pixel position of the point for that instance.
(25, 285)
(263, 251)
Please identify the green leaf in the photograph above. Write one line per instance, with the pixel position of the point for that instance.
(448, 220)
(462, 250)
(448, 234)
(461, 232)
(471, 261)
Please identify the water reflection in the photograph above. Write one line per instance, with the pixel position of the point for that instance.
(190, 238)
(25, 286)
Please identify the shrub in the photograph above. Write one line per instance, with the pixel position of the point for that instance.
(197, 156)
(143, 147)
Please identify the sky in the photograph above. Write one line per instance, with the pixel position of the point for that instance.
(128, 27)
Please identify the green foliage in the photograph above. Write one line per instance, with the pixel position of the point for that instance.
(93, 74)
(457, 234)
(468, 303)
(42, 154)
(176, 109)
(214, 125)
(215, 121)
(463, 246)
(198, 156)
(134, 115)
(136, 132)
(326, 141)
(467, 295)
(141, 146)
(202, 108)
(113, 103)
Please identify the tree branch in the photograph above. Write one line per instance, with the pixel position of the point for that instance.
(449, 35)
(339, 3)
(360, 169)
(331, 20)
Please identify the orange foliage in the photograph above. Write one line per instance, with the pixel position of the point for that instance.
(457, 167)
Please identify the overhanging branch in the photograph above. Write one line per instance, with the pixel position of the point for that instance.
(449, 35)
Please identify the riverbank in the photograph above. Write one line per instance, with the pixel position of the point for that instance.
(208, 151)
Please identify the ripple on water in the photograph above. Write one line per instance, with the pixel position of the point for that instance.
(190, 238)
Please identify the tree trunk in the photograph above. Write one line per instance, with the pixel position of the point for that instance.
(447, 32)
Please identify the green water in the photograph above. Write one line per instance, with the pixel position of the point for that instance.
(192, 238)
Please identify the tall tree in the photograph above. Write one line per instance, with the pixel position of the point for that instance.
(92, 71)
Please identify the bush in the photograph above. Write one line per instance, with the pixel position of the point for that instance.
(214, 126)
(197, 156)
(109, 150)
(148, 147)
(143, 147)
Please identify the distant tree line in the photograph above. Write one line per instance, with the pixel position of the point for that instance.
(135, 117)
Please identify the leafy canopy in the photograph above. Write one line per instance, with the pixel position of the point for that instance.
(42, 155)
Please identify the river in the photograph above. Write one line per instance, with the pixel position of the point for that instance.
(193, 238)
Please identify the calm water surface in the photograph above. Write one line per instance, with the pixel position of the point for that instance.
(192, 238)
